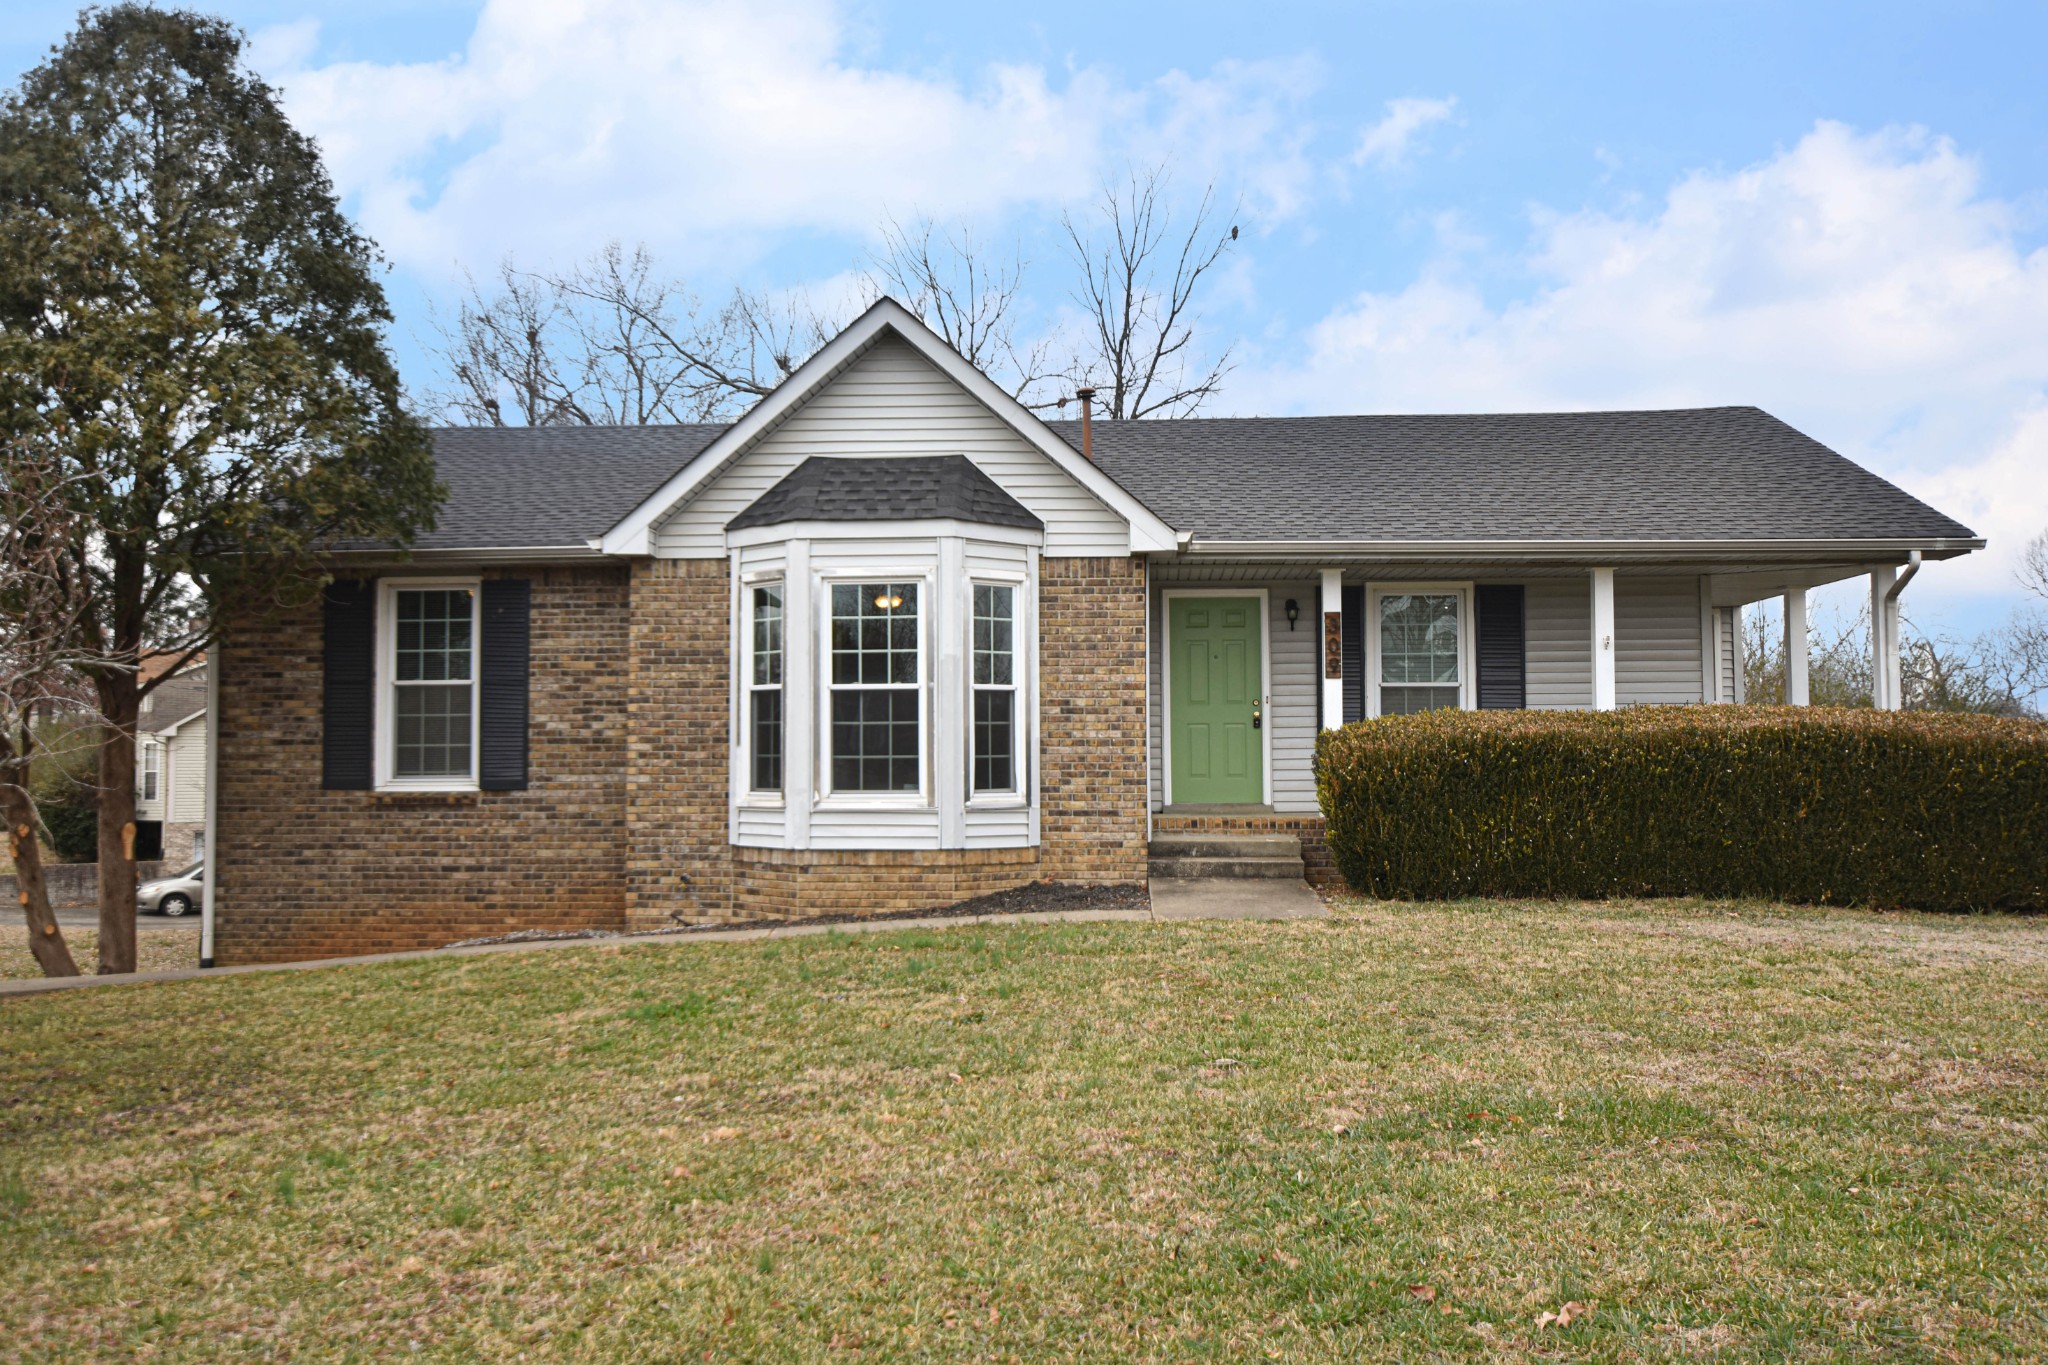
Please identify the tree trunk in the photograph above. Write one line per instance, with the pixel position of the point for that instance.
(45, 940)
(119, 708)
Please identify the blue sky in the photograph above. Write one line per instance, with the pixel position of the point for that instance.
(1837, 212)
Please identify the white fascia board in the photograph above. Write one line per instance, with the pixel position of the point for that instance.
(633, 535)
(482, 554)
(881, 530)
(1577, 551)
(172, 728)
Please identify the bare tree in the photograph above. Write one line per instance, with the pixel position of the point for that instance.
(1838, 659)
(613, 341)
(969, 297)
(2033, 570)
(40, 678)
(1140, 279)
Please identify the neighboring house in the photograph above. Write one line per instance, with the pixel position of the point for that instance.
(890, 641)
(170, 766)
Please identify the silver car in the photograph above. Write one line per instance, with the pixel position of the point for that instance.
(177, 894)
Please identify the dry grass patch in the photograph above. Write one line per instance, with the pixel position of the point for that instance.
(156, 950)
(1737, 1132)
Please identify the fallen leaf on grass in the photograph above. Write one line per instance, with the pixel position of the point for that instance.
(1565, 1316)
(1422, 1293)
(722, 1134)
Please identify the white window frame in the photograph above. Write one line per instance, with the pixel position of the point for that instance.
(385, 732)
(1023, 703)
(743, 719)
(152, 771)
(1467, 682)
(821, 752)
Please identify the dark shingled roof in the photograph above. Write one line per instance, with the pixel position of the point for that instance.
(1685, 474)
(534, 487)
(912, 488)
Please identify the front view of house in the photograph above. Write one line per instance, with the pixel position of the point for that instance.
(890, 642)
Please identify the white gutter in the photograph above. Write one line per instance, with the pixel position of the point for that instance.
(211, 858)
(1576, 551)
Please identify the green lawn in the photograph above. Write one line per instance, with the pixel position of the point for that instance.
(1736, 1132)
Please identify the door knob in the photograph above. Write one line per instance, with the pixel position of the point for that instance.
(1257, 720)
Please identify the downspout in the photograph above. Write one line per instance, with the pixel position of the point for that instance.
(1912, 567)
(209, 872)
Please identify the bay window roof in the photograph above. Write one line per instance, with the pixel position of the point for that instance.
(899, 488)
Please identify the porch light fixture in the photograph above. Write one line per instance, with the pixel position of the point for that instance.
(888, 601)
(1293, 612)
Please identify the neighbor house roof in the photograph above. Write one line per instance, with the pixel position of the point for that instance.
(1688, 474)
(911, 488)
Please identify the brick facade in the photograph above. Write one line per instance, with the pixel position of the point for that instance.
(305, 872)
(678, 865)
(1318, 867)
(624, 823)
(1091, 669)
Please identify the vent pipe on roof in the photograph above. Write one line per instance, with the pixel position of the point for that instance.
(1087, 397)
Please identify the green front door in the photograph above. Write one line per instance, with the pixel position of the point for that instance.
(1214, 701)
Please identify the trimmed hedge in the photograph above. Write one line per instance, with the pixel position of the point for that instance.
(1819, 805)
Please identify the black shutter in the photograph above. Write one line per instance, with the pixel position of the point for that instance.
(1498, 633)
(1354, 654)
(504, 658)
(348, 687)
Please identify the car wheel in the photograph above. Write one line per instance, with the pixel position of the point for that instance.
(175, 904)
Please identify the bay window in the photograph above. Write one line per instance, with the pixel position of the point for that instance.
(877, 688)
(764, 688)
(994, 741)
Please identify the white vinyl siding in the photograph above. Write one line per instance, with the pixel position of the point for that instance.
(1558, 642)
(1656, 640)
(1728, 641)
(1290, 710)
(186, 773)
(891, 401)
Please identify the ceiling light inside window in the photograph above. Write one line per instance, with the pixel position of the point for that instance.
(888, 601)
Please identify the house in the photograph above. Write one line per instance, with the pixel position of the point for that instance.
(890, 641)
(170, 763)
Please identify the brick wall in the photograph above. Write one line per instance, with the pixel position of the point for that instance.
(304, 872)
(1318, 868)
(678, 865)
(1091, 669)
(624, 824)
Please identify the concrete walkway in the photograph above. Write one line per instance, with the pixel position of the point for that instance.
(1235, 898)
(1183, 900)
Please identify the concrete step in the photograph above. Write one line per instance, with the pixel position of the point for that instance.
(1236, 868)
(1210, 844)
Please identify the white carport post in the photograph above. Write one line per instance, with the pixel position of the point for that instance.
(1795, 647)
(1603, 639)
(1884, 640)
(1333, 648)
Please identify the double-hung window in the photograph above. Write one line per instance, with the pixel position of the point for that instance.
(433, 684)
(995, 688)
(877, 693)
(152, 765)
(1421, 652)
(764, 688)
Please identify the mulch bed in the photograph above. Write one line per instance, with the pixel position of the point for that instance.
(1037, 898)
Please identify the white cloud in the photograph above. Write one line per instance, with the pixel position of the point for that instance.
(1388, 142)
(1862, 287)
(706, 127)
